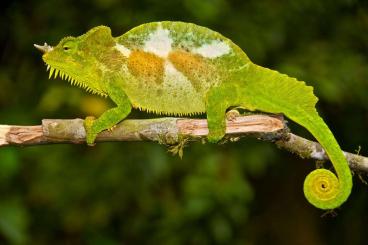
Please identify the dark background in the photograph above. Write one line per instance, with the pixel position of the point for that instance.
(247, 192)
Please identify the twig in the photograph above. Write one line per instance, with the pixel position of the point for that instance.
(171, 131)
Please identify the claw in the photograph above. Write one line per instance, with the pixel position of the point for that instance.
(112, 128)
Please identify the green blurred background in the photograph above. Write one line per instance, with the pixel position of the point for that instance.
(247, 192)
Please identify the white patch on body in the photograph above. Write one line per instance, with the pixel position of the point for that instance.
(159, 42)
(122, 49)
(170, 70)
(213, 50)
(175, 79)
(177, 83)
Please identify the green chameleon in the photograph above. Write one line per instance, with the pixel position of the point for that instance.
(177, 68)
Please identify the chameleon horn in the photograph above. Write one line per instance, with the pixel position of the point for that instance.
(44, 49)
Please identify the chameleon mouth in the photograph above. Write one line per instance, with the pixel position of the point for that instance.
(64, 76)
(75, 82)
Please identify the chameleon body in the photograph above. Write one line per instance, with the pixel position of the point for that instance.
(177, 68)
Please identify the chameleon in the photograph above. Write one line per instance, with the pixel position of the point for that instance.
(183, 69)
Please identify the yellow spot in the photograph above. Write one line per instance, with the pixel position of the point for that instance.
(146, 66)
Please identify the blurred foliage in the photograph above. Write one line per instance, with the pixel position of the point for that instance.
(247, 192)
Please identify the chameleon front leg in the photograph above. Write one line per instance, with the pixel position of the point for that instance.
(110, 117)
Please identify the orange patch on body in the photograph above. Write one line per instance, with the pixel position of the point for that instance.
(193, 66)
(146, 66)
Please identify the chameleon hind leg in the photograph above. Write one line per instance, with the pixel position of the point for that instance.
(110, 117)
(219, 99)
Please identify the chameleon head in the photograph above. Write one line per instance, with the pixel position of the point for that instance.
(77, 59)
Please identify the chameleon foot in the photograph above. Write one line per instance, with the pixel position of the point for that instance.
(215, 136)
(111, 129)
(90, 136)
(232, 114)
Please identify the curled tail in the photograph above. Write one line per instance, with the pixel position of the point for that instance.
(274, 92)
(323, 188)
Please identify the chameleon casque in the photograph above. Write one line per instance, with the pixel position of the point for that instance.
(177, 68)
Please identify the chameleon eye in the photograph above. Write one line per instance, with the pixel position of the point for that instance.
(68, 45)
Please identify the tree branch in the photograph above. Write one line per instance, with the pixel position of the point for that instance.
(171, 131)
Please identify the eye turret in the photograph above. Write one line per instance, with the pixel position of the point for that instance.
(69, 45)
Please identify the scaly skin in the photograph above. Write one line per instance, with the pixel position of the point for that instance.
(177, 68)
